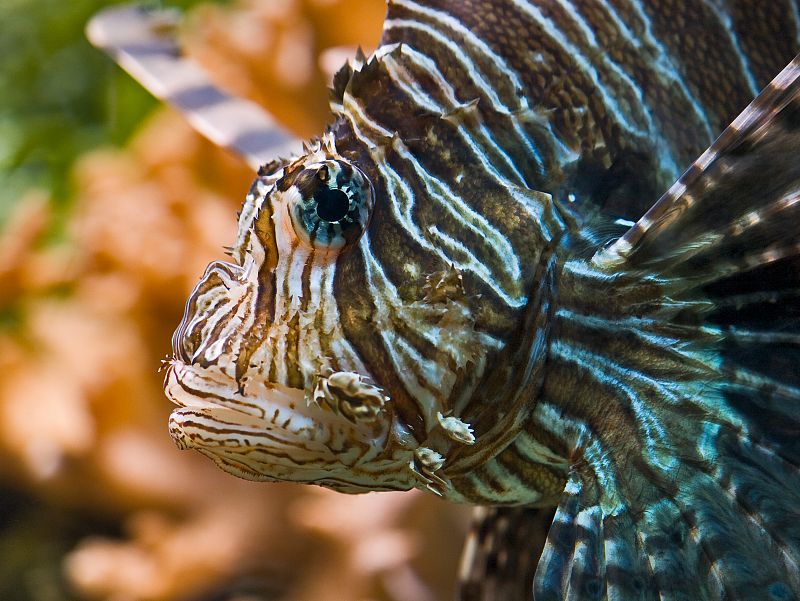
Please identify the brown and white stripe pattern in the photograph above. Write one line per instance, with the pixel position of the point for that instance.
(663, 213)
(502, 106)
(478, 124)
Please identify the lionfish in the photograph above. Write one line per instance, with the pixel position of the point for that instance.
(459, 287)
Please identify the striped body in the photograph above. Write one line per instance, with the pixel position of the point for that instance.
(445, 326)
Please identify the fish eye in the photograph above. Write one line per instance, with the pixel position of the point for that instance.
(333, 204)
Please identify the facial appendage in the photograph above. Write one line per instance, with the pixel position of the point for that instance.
(266, 383)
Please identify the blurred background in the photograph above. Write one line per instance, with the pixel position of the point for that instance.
(110, 208)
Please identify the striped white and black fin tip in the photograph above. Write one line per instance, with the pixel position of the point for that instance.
(757, 126)
(142, 42)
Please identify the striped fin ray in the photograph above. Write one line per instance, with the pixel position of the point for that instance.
(727, 232)
(679, 207)
(501, 552)
(674, 375)
(141, 42)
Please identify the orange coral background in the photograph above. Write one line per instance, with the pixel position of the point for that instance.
(99, 504)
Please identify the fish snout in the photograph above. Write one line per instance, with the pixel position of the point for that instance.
(214, 315)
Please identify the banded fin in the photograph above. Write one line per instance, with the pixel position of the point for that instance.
(142, 42)
(501, 552)
(674, 373)
(680, 222)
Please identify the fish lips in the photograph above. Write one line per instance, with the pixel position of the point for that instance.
(264, 431)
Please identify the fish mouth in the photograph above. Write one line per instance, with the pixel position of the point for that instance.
(202, 391)
(261, 430)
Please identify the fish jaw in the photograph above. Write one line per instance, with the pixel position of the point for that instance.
(264, 431)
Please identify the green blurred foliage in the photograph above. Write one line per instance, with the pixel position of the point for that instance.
(59, 96)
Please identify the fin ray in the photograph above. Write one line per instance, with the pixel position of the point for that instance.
(682, 377)
(500, 556)
(139, 41)
(771, 118)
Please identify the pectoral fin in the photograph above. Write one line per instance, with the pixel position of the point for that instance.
(501, 553)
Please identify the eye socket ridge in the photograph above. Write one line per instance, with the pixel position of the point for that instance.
(333, 204)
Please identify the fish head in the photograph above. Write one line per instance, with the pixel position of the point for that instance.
(265, 380)
(363, 307)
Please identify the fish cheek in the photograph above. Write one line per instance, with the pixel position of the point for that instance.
(361, 329)
(264, 230)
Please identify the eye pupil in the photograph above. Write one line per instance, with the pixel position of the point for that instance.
(332, 205)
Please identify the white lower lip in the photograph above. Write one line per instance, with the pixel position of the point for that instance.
(219, 389)
(268, 431)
